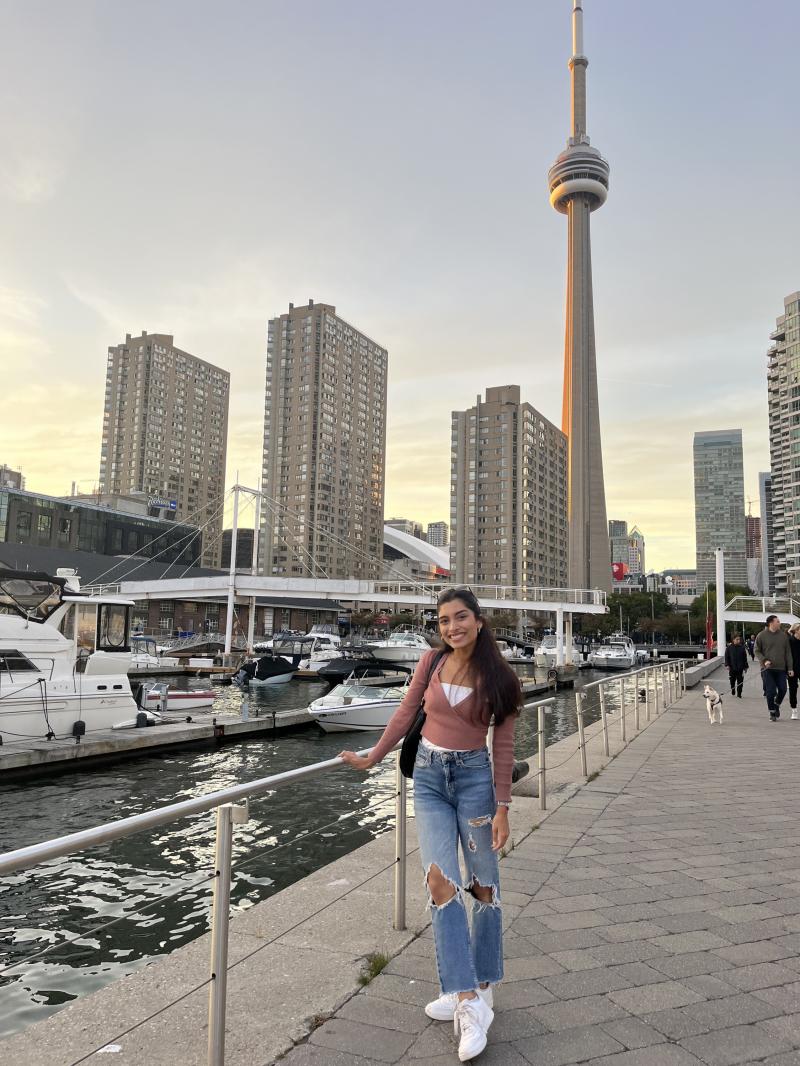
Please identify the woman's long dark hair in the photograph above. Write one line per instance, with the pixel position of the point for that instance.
(499, 689)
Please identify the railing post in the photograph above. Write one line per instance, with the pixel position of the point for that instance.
(579, 698)
(647, 693)
(636, 724)
(622, 730)
(399, 847)
(603, 718)
(542, 761)
(228, 814)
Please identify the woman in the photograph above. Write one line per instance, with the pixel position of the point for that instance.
(454, 800)
(736, 662)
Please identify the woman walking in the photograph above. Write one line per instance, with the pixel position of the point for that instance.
(457, 801)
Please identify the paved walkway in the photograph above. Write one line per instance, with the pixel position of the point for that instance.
(652, 919)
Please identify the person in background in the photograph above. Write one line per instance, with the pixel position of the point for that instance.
(775, 657)
(460, 798)
(736, 662)
(794, 644)
(750, 643)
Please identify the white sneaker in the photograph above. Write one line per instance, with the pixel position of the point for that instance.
(795, 715)
(443, 1009)
(472, 1019)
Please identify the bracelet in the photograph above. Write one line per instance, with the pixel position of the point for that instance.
(504, 803)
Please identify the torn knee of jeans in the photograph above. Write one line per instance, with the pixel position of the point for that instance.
(481, 904)
(485, 819)
(458, 891)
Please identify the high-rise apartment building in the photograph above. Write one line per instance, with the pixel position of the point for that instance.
(11, 479)
(719, 505)
(508, 494)
(406, 525)
(767, 555)
(783, 400)
(752, 528)
(165, 430)
(626, 546)
(324, 455)
(438, 534)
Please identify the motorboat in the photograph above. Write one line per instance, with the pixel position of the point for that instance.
(546, 655)
(309, 652)
(64, 658)
(356, 706)
(145, 658)
(506, 650)
(618, 653)
(266, 670)
(404, 646)
(352, 662)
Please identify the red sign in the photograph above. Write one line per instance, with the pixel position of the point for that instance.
(619, 570)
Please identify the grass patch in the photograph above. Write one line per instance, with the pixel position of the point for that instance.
(373, 964)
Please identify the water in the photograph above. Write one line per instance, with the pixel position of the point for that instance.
(290, 833)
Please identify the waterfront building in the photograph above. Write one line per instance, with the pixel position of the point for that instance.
(408, 557)
(508, 503)
(767, 533)
(406, 525)
(578, 182)
(165, 428)
(84, 524)
(244, 549)
(11, 479)
(719, 505)
(324, 456)
(626, 546)
(438, 534)
(783, 388)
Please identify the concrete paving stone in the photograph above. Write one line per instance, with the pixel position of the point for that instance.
(623, 931)
(741, 1043)
(576, 960)
(675, 1024)
(537, 966)
(311, 1055)
(575, 920)
(418, 967)
(514, 1025)
(356, 1038)
(710, 986)
(793, 963)
(535, 907)
(763, 930)
(567, 940)
(527, 993)
(732, 1010)
(518, 947)
(529, 927)
(692, 922)
(789, 1058)
(786, 1028)
(586, 983)
(626, 951)
(387, 1013)
(655, 997)
(687, 943)
(436, 1040)
(585, 902)
(655, 1055)
(569, 1013)
(760, 975)
(686, 904)
(747, 912)
(632, 912)
(494, 1055)
(568, 1046)
(755, 951)
(401, 989)
(644, 894)
(633, 1033)
(786, 998)
(743, 896)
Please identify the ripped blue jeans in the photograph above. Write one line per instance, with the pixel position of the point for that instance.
(454, 801)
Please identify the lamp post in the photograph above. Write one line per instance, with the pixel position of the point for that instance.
(688, 621)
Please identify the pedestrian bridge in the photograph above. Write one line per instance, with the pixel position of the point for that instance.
(755, 609)
(387, 593)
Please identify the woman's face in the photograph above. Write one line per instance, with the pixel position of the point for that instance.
(458, 625)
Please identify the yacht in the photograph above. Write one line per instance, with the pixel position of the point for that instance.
(64, 658)
(192, 699)
(619, 653)
(356, 706)
(310, 652)
(146, 660)
(402, 646)
(546, 654)
(266, 670)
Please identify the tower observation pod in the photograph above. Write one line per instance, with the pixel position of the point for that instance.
(578, 182)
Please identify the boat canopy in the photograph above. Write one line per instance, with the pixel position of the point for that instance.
(30, 594)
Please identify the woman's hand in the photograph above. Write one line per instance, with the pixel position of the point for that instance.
(500, 830)
(358, 762)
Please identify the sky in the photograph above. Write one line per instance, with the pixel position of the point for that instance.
(190, 168)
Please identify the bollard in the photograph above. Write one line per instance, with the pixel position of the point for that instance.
(579, 698)
(399, 847)
(623, 737)
(228, 815)
(542, 768)
(602, 690)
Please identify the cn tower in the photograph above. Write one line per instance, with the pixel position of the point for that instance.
(579, 185)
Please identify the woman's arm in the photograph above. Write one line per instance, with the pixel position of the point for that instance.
(400, 722)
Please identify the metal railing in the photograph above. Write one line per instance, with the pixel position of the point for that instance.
(589, 597)
(666, 681)
(231, 805)
(762, 605)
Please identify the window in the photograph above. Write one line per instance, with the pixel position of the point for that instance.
(12, 661)
(44, 524)
(23, 524)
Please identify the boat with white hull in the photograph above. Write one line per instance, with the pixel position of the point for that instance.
(355, 706)
(145, 659)
(64, 658)
(546, 655)
(618, 654)
(402, 646)
(177, 699)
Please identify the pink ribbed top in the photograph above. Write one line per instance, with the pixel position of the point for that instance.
(458, 728)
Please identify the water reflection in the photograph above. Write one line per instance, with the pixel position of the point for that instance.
(291, 833)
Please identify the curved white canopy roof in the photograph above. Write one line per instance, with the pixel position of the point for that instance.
(414, 548)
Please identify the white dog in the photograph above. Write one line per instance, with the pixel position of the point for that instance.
(713, 704)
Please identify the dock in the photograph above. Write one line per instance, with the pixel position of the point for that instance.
(653, 915)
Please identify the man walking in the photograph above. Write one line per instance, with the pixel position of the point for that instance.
(775, 656)
(736, 661)
(794, 644)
